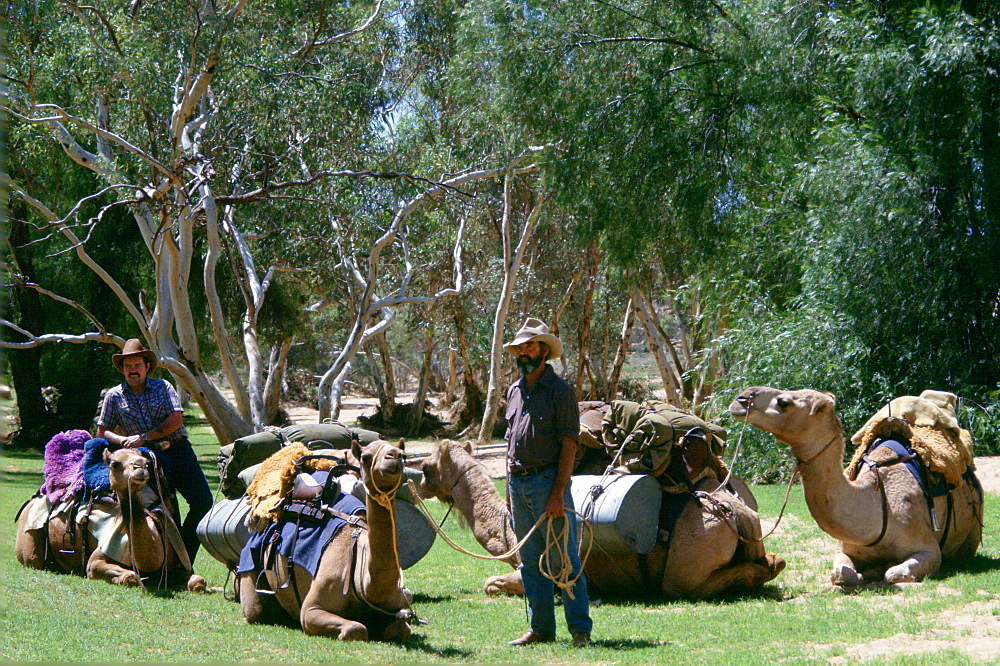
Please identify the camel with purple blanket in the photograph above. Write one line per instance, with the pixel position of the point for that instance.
(103, 518)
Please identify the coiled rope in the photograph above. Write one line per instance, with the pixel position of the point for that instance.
(557, 543)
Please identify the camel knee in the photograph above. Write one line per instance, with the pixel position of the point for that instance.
(505, 584)
(318, 622)
(254, 611)
(775, 564)
(914, 568)
(398, 631)
(196, 583)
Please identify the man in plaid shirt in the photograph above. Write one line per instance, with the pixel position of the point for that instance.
(142, 411)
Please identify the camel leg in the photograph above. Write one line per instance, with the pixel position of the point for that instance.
(258, 608)
(99, 568)
(506, 584)
(398, 631)
(29, 546)
(747, 575)
(319, 622)
(845, 572)
(196, 583)
(915, 567)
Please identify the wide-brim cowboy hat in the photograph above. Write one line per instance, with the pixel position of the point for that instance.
(535, 329)
(133, 348)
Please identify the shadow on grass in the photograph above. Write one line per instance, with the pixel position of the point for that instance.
(28, 479)
(417, 642)
(770, 592)
(421, 598)
(977, 564)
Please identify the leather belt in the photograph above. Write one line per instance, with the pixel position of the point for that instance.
(523, 471)
(158, 445)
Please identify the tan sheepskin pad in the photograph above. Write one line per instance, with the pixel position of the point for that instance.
(275, 480)
(930, 425)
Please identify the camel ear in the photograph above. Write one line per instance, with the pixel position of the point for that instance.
(402, 444)
(467, 445)
(356, 449)
(828, 402)
(107, 456)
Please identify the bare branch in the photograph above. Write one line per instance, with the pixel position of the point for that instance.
(62, 299)
(38, 340)
(641, 40)
(342, 36)
(247, 197)
(81, 155)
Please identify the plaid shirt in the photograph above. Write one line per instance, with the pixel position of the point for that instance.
(129, 414)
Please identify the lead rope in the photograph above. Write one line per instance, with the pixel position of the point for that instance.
(130, 531)
(384, 498)
(448, 540)
(559, 542)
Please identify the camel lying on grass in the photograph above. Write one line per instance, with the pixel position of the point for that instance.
(881, 519)
(356, 592)
(137, 541)
(705, 557)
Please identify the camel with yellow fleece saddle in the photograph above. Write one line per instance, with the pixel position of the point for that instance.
(880, 515)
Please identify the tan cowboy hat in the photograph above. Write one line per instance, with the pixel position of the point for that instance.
(535, 329)
(133, 348)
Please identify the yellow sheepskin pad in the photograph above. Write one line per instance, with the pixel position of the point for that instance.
(275, 480)
(947, 451)
(935, 409)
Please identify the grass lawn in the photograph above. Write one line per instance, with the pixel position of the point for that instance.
(52, 617)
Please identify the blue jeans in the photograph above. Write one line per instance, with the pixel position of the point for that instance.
(528, 494)
(184, 473)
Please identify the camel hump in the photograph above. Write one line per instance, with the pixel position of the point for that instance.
(932, 409)
(929, 423)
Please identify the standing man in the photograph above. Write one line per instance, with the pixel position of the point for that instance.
(142, 411)
(543, 428)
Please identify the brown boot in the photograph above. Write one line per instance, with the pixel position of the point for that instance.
(581, 639)
(530, 638)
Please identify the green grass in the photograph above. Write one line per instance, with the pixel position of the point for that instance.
(52, 617)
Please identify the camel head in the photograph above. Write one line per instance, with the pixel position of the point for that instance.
(439, 469)
(381, 466)
(128, 470)
(797, 418)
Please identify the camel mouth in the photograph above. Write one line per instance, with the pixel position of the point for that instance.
(740, 408)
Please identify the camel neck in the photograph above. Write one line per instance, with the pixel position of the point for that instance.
(383, 561)
(841, 507)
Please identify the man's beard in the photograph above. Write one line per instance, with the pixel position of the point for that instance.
(527, 365)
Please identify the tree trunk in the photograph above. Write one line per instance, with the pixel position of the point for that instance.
(390, 377)
(451, 383)
(670, 386)
(425, 371)
(621, 353)
(277, 364)
(583, 341)
(512, 263)
(373, 368)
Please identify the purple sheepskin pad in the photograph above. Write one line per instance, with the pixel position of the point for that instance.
(63, 470)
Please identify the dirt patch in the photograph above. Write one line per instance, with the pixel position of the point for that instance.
(973, 630)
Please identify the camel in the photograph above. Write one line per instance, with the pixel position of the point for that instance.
(151, 547)
(705, 556)
(357, 592)
(452, 475)
(885, 536)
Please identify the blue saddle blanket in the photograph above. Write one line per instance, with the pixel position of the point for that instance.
(300, 539)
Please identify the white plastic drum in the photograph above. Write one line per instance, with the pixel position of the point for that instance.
(624, 514)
